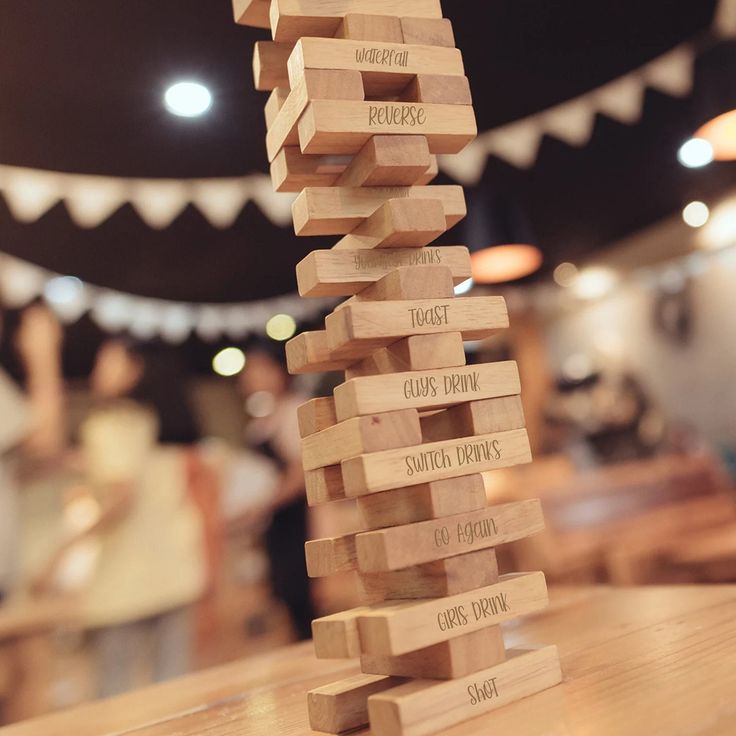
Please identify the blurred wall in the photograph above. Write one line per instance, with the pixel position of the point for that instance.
(691, 381)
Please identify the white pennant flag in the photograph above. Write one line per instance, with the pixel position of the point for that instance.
(159, 202)
(571, 122)
(29, 193)
(725, 22)
(221, 200)
(517, 143)
(467, 166)
(277, 206)
(673, 72)
(622, 99)
(90, 200)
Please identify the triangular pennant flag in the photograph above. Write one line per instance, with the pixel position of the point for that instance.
(571, 122)
(467, 166)
(517, 143)
(725, 19)
(90, 200)
(221, 200)
(622, 99)
(159, 202)
(673, 72)
(29, 193)
(277, 206)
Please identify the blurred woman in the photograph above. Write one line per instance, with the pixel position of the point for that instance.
(150, 566)
(274, 432)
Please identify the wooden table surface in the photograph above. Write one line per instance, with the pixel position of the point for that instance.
(637, 661)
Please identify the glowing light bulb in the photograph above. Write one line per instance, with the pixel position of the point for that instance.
(464, 287)
(229, 362)
(188, 99)
(696, 214)
(565, 274)
(281, 327)
(695, 153)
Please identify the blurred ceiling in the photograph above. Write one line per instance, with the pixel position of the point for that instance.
(82, 84)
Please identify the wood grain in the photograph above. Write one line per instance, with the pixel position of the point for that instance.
(428, 389)
(270, 65)
(447, 660)
(366, 326)
(413, 353)
(437, 579)
(400, 547)
(653, 661)
(421, 708)
(382, 471)
(337, 126)
(397, 627)
(293, 19)
(339, 210)
(386, 68)
(344, 273)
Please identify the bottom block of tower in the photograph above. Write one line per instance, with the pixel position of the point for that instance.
(424, 707)
(448, 660)
(343, 706)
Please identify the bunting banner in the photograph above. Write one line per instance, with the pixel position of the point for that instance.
(70, 298)
(90, 200)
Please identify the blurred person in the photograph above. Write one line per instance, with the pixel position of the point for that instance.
(274, 433)
(151, 566)
(31, 422)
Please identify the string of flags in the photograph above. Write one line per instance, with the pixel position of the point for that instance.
(90, 200)
(115, 312)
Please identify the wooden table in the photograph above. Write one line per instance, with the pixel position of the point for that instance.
(638, 661)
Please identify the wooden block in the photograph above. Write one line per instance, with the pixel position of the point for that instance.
(436, 579)
(344, 273)
(395, 160)
(410, 283)
(424, 707)
(316, 84)
(360, 435)
(337, 126)
(438, 89)
(254, 13)
(387, 68)
(292, 170)
(336, 636)
(315, 415)
(447, 660)
(415, 353)
(429, 389)
(331, 555)
(292, 19)
(364, 326)
(324, 485)
(382, 471)
(400, 223)
(399, 547)
(361, 27)
(397, 627)
(275, 102)
(474, 418)
(339, 210)
(420, 503)
(430, 174)
(309, 353)
(428, 31)
(269, 65)
(343, 706)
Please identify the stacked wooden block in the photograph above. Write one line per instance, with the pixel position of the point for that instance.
(364, 95)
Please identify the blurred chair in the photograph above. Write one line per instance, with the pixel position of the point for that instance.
(626, 524)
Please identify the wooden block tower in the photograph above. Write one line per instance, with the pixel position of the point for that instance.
(363, 95)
